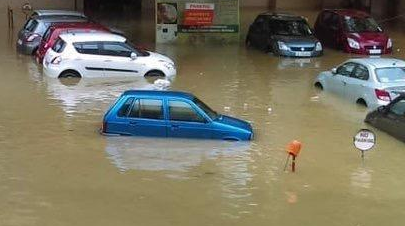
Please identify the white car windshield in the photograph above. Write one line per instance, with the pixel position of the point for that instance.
(391, 74)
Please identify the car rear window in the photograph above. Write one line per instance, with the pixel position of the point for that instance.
(391, 74)
(47, 34)
(87, 47)
(59, 45)
(31, 25)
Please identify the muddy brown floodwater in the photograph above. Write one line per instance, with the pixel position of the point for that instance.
(56, 169)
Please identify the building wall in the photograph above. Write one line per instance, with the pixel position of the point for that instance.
(298, 4)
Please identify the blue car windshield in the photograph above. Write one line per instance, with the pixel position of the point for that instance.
(211, 113)
(390, 74)
(290, 28)
(358, 25)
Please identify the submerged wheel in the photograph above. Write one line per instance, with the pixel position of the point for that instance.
(361, 102)
(274, 49)
(70, 74)
(155, 74)
(318, 85)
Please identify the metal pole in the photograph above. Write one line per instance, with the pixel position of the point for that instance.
(293, 164)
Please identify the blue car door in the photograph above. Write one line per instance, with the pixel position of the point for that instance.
(186, 120)
(146, 118)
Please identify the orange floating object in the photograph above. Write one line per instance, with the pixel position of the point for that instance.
(294, 148)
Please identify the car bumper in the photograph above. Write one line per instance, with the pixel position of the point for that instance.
(290, 53)
(26, 48)
(365, 51)
(51, 70)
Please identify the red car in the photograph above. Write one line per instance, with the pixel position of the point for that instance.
(353, 31)
(53, 32)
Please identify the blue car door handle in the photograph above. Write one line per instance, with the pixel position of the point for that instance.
(132, 123)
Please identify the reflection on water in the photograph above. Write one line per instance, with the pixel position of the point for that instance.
(92, 95)
(361, 178)
(157, 154)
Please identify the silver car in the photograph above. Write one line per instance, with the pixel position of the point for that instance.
(368, 81)
(29, 37)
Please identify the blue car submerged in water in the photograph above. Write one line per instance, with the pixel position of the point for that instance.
(170, 114)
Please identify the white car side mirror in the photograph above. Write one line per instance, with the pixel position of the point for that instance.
(133, 56)
(334, 71)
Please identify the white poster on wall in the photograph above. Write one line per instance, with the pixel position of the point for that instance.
(166, 22)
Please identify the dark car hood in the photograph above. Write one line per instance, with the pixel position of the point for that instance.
(370, 37)
(227, 120)
(297, 40)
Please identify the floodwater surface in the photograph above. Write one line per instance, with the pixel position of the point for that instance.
(56, 169)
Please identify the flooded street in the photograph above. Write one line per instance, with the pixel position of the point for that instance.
(56, 169)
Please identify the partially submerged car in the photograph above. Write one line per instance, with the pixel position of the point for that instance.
(284, 35)
(390, 118)
(53, 32)
(103, 55)
(29, 37)
(170, 114)
(372, 82)
(353, 31)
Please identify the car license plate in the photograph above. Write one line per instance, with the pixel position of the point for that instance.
(375, 51)
(19, 42)
(303, 54)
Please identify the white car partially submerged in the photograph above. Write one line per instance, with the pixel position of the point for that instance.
(102, 55)
(372, 82)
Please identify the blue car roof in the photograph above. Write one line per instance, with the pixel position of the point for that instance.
(160, 93)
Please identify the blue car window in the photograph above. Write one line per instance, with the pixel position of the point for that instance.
(147, 109)
(123, 111)
(181, 111)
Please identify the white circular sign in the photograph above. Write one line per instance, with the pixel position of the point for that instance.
(364, 140)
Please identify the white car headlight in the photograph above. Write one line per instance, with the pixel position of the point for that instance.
(353, 43)
(282, 46)
(318, 46)
(389, 43)
(168, 65)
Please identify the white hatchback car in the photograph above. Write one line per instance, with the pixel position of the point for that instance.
(369, 81)
(102, 55)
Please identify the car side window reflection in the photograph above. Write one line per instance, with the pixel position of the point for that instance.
(346, 69)
(360, 72)
(182, 111)
(123, 111)
(147, 109)
(87, 47)
(398, 108)
(115, 49)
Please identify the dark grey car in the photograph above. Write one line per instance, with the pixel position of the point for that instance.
(29, 37)
(390, 118)
(284, 35)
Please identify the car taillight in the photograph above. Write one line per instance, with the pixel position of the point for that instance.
(32, 37)
(104, 127)
(382, 95)
(56, 60)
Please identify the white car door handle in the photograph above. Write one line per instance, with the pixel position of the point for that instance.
(107, 60)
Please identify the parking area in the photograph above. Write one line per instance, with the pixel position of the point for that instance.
(56, 169)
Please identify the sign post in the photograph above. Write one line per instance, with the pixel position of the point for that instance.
(364, 140)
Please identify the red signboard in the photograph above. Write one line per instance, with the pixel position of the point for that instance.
(198, 14)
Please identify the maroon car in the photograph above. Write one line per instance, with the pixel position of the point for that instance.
(353, 31)
(53, 32)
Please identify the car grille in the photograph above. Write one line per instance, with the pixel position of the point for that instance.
(301, 49)
(372, 47)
